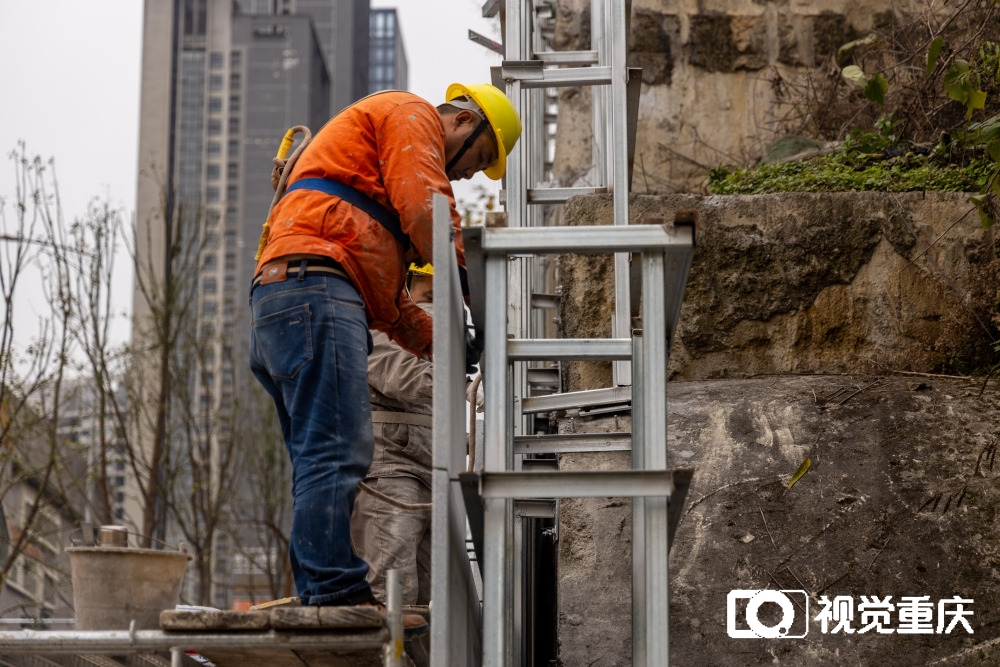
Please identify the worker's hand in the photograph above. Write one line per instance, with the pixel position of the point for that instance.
(473, 350)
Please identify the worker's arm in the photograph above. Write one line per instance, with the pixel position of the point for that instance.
(415, 330)
(411, 156)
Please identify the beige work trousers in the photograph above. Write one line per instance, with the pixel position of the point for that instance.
(389, 537)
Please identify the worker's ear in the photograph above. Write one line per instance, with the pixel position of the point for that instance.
(464, 116)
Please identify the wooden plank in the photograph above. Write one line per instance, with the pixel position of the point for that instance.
(220, 621)
(283, 602)
(325, 618)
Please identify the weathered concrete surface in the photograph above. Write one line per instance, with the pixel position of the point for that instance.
(901, 500)
(721, 80)
(805, 283)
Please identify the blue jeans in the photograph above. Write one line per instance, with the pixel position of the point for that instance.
(309, 346)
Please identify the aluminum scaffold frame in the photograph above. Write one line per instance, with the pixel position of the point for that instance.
(501, 264)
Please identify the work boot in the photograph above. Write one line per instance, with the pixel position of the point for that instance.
(413, 624)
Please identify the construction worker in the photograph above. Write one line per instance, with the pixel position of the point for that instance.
(391, 524)
(357, 211)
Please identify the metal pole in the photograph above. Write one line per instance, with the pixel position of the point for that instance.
(125, 642)
(393, 651)
(639, 658)
(618, 178)
(456, 630)
(654, 441)
(599, 94)
(517, 304)
(497, 457)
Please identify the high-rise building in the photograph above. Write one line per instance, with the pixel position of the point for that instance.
(221, 83)
(387, 69)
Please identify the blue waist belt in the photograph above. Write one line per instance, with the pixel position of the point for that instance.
(371, 207)
(357, 199)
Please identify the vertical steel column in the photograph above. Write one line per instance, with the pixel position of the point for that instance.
(498, 453)
(639, 658)
(599, 94)
(654, 440)
(618, 177)
(517, 588)
(515, 183)
(455, 634)
(517, 47)
(392, 652)
(499, 516)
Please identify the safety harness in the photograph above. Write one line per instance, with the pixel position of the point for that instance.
(357, 199)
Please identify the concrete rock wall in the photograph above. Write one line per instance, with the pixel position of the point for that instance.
(712, 74)
(804, 283)
(900, 500)
(865, 284)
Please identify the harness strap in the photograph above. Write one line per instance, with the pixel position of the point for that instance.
(411, 418)
(360, 200)
(471, 139)
(357, 199)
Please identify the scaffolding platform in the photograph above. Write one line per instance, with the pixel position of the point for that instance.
(279, 637)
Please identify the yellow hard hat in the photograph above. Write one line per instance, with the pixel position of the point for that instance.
(501, 115)
(425, 270)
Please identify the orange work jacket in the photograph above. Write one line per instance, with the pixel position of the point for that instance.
(389, 146)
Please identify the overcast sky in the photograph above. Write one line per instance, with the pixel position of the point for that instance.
(70, 85)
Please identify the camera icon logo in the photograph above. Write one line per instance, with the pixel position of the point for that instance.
(789, 626)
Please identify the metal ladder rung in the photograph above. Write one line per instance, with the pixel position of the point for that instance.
(543, 377)
(535, 509)
(576, 484)
(570, 349)
(560, 195)
(565, 443)
(567, 57)
(539, 465)
(592, 239)
(543, 301)
(533, 74)
(577, 399)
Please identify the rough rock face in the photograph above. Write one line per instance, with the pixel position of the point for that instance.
(712, 76)
(900, 500)
(804, 283)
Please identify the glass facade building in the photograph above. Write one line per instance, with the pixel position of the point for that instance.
(387, 68)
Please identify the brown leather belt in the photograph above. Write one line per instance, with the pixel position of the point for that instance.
(284, 268)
